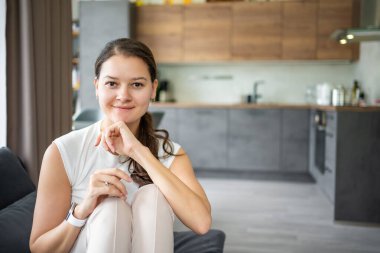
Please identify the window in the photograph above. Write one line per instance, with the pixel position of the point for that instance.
(3, 109)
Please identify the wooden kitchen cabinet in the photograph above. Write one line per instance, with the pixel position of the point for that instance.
(256, 30)
(207, 32)
(203, 135)
(161, 28)
(299, 39)
(274, 30)
(333, 15)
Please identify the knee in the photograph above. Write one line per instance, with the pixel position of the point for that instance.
(111, 208)
(149, 198)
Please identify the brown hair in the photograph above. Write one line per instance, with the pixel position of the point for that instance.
(147, 134)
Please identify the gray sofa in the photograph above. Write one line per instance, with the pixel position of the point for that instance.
(17, 200)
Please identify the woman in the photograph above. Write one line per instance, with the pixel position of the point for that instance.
(123, 178)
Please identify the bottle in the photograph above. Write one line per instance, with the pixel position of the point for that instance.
(355, 92)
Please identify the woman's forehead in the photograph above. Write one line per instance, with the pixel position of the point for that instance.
(119, 66)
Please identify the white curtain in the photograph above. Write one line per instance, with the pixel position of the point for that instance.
(3, 104)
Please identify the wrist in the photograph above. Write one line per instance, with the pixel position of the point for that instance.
(78, 213)
(139, 152)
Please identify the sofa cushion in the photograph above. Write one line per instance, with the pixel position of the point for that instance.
(16, 224)
(14, 180)
(190, 242)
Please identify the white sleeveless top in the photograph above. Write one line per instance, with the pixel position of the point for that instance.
(81, 159)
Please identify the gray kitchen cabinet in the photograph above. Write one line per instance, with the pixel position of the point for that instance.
(294, 140)
(203, 135)
(357, 190)
(254, 139)
(351, 164)
(169, 121)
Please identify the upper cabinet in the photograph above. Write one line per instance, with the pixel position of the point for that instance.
(332, 15)
(207, 32)
(161, 28)
(299, 37)
(289, 30)
(256, 30)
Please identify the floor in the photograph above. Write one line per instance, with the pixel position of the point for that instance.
(265, 215)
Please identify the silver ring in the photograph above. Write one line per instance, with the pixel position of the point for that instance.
(106, 183)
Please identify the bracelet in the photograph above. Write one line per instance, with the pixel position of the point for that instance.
(72, 220)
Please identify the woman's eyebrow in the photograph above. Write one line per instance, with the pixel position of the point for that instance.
(138, 78)
(110, 77)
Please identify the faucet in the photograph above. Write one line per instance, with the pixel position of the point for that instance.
(255, 95)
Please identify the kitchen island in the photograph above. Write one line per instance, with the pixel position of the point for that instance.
(282, 138)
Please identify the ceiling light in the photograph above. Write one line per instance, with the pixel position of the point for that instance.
(343, 41)
(350, 36)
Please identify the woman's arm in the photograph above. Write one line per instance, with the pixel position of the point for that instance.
(179, 184)
(50, 231)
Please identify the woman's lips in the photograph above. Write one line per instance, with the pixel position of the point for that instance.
(123, 107)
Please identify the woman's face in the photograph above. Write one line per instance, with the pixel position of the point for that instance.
(124, 89)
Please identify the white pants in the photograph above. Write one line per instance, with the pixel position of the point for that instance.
(145, 226)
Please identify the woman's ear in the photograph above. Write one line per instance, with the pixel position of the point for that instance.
(96, 83)
(155, 85)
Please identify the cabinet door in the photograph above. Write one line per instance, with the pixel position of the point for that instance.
(203, 135)
(299, 30)
(333, 15)
(160, 27)
(295, 141)
(254, 139)
(207, 32)
(256, 30)
(168, 121)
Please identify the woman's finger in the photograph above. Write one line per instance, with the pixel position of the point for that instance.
(115, 172)
(112, 180)
(109, 134)
(109, 190)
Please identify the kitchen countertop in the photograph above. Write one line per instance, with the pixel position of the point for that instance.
(265, 106)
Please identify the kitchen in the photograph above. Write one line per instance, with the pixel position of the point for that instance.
(257, 108)
(260, 95)
(274, 140)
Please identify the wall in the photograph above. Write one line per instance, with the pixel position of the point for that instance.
(368, 70)
(285, 82)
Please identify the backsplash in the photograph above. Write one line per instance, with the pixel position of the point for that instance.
(368, 70)
(285, 82)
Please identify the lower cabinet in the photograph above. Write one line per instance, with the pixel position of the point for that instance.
(241, 139)
(203, 135)
(168, 122)
(254, 139)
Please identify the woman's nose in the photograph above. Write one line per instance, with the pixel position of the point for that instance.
(123, 93)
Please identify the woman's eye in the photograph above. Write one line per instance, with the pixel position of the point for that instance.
(137, 85)
(111, 84)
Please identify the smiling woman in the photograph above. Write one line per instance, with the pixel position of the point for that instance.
(3, 104)
(125, 179)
